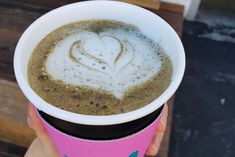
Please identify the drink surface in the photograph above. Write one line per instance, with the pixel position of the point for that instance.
(99, 67)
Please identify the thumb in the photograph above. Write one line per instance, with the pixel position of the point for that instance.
(35, 123)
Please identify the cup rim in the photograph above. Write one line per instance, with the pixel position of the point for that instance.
(96, 119)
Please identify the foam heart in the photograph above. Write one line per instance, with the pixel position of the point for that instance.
(101, 52)
(113, 60)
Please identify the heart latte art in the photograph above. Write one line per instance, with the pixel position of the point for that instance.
(112, 60)
(99, 67)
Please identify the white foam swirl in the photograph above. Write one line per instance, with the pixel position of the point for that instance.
(112, 60)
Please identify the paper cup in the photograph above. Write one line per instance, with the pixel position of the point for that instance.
(132, 142)
(132, 145)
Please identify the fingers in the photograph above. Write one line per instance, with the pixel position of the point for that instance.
(163, 121)
(44, 140)
(35, 123)
(157, 139)
(155, 144)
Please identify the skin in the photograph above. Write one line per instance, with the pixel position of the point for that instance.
(42, 146)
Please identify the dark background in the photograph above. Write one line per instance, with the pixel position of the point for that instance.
(204, 111)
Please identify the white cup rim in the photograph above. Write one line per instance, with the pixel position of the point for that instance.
(95, 119)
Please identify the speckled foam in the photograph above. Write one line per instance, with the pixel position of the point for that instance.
(113, 60)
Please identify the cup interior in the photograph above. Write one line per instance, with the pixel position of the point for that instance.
(148, 22)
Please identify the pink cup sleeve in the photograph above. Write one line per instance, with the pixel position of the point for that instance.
(134, 145)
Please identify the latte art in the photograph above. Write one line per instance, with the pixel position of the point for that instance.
(111, 60)
(105, 57)
(99, 67)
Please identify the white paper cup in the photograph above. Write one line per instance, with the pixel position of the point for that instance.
(148, 22)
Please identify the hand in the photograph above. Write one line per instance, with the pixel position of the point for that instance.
(160, 130)
(42, 146)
